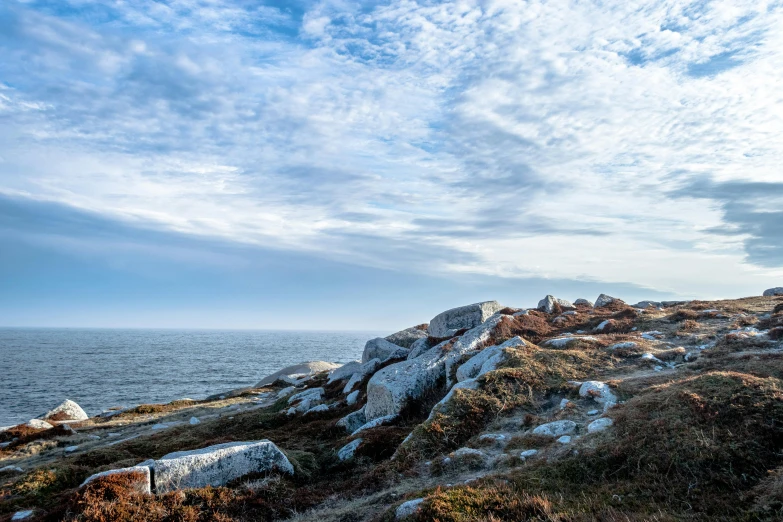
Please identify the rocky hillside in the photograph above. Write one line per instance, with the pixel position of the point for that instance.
(564, 412)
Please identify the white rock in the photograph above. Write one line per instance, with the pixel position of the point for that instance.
(217, 465)
(286, 392)
(773, 291)
(419, 347)
(469, 452)
(548, 303)
(375, 423)
(497, 437)
(71, 449)
(581, 301)
(352, 398)
(604, 300)
(408, 508)
(650, 357)
(598, 391)
(407, 337)
(194, 421)
(565, 439)
(344, 372)
(22, 515)
(382, 350)
(603, 325)
(469, 384)
(658, 368)
(39, 424)
(160, 426)
(746, 333)
(652, 335)
(317, 409)
(347, 451)
(564, 404)
(593, 412)
(471, 368)
(447, 323)
(361, 373)
(599, 425)
(15, 469)
(304, 369)
(556, 428)
(291, 411)
(562, 342)
(353, 421)
(647, 304)
(625, 345)
(528, 453)
(521, 313)
(312, 394)
(68, 410)
(143, 486)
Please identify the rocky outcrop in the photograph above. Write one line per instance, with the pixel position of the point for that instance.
(550, 303)
(361, 373)
(298, 370)
(353, 421)
(407, 337)
(770, 292)
(306, 399)
(382, 350)
(447, 323)
(583, 302)
(419, 347)
(67, 411)
(218, 465)
(605, 300)
(344, 372)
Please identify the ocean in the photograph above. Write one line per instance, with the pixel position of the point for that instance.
(103, 368)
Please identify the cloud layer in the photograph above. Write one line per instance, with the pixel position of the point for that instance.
(596, 141)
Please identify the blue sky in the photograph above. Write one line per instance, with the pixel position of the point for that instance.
(364, 165)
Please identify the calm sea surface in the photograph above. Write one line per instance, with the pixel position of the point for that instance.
(102, 368)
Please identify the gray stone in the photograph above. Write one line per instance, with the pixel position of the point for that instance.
(407, 337)
(143, 485)
(303, 369)
(599, 425)
(194, 420)
(381, 349)
(556, 428)
(67, 411)
(361, 373)
(565, 439)
(408, 508)
(598, 391)
(8, 469)
(773, 291)
(375, 423)
(352, 398)
(527, 453)
(647, 304)
(317, 409)
(605, 300)
(347, 451)
(39, 424)
(344, 372)
(311, 393)
(353, 421)
(286, 392)
(218, 465)
(548, 303)
(581, 301)
(419, 347)
(447, 323)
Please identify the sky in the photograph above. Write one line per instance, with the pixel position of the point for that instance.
(354, 165)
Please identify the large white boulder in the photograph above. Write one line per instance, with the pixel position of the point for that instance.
(447, 323)
(143, 482)
(391, 387)
(67, 411)
(773, 291)
(556, 428)
(381, 349)
(548, 303)
(407, 337)
(218, 465)
(303, 369)
(344, 372)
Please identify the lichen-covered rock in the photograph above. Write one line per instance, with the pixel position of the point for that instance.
(598, 391)
(344, 372)
(599, 425)
(375, 423)
(447, 323)
(605, 300)
(407, 337)
(381, 349)
(549, 303)
(218, 465)
(353, 421)
(352, 397)
(361, 373)
(556, 428)
(583, 302)
(303, 369)
(472, 367)
(419, 347)
(347, 452)
(67, 411)
(770, 292)
(408, 508)
(142, 482)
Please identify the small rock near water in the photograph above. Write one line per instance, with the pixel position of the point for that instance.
(67, 411)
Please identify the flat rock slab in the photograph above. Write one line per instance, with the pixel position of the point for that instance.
(218, 465)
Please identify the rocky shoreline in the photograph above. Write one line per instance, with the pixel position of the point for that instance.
(565, 411)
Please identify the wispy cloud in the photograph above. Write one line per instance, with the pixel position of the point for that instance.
(578, 140)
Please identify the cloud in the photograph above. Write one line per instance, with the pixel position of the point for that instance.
(513, 139)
